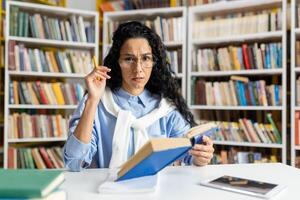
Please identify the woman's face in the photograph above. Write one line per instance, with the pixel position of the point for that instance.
(136, 62)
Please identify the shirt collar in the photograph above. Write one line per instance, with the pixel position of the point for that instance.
(143, 97)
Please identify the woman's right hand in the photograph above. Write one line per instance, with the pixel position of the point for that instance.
(96, 82)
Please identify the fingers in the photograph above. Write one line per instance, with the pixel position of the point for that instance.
(201, 154)
(200, 161)
(207, 141)
(203, 147)
(99, 73)
(102, 74)
(102, 68)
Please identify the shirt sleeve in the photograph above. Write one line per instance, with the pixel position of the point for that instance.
(177, 126)
(78, 155)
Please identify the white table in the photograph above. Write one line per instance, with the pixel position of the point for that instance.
(182, 182)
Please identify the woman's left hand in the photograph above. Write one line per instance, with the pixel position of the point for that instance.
(202, 153)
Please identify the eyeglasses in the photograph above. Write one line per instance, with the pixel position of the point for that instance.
(128, 61)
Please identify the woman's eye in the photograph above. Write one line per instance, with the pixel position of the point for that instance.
(146, 58)
(129, 59)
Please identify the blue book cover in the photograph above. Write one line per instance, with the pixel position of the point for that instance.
(251, 92)
(161, 152)
(242, 93)
(276, 93)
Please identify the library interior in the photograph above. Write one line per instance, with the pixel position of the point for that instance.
(152, 99)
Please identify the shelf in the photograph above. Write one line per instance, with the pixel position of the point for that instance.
(297, 108)
(297, 31)
(23, 106)
(46, 74)
(56, 43)
(247, 144)
(235, 5)
(297, 69)
(239, 38)
(297, 147)
(142, 13)
(168, 44)
(180, 75)
(21, 140)
(205, 107)
(239, 72)
(52, 10)
(172, 44)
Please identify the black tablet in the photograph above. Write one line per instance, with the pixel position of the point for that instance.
(244, 186)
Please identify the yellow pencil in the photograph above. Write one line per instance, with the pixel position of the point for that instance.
(95, 61)
(96, 66)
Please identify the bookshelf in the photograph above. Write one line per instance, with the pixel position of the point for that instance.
(2, 40)
(49, 65)
(295, 145)
(220, 36)
(175, 15)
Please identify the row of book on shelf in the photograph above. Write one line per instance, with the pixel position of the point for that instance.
(38, 92)
(74, 28)
(245, 57)
(48, 60)
(235, 156)
(166, 28)
(23, 125)
(297, 54)
(35, 158)
(297, 16)
(119, 5)
(298, 91)
(297, 128)
(2, 25)
(2, 60)
(175, 59)
(237, 91)
(238, 24)
(246, 130)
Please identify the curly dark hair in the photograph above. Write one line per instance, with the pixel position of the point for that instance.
(161, 81)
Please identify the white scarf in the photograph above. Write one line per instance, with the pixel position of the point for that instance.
(126, 120)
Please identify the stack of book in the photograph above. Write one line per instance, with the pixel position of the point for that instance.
(238, 24)
(166, 28)
(31, 184)
(74, 29)
(45, 93)
(51, 60)
(36, 157)
(237, 91)
(245, 130)
(244, 57)
(235, 156)
(23, 125)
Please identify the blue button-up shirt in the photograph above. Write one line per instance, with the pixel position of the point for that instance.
(98, 152)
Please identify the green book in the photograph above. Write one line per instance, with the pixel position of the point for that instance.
(276, 131)
(29, 183)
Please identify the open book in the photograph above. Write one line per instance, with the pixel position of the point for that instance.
(160, 152)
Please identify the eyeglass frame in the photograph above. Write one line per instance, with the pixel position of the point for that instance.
(137, 60)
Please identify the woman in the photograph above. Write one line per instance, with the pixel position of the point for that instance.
(130, 99)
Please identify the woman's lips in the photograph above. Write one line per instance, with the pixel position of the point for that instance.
(137, 79)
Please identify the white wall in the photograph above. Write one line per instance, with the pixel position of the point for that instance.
(82, 4)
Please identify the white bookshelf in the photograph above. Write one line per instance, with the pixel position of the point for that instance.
(295, 70)
(58, 12)
(151, 14)
(247, 144)
(196, 13)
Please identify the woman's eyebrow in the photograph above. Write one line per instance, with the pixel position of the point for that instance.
(130, 54)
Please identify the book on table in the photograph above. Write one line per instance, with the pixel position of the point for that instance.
(29, 183)
(158, 153)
